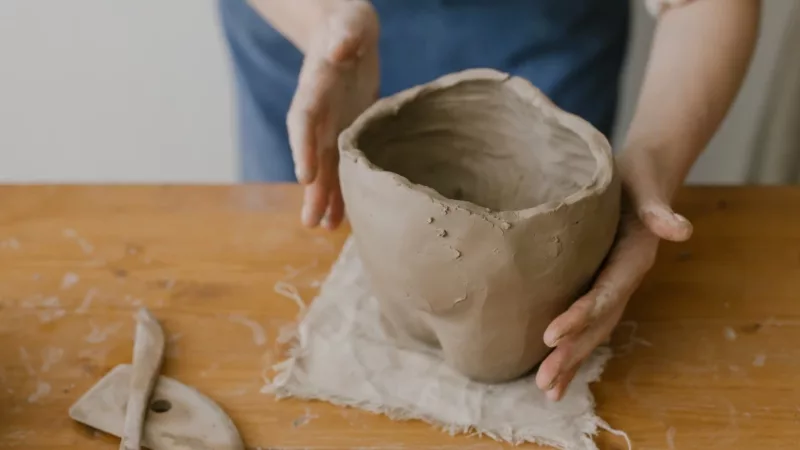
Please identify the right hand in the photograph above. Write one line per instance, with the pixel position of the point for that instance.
(339, 79)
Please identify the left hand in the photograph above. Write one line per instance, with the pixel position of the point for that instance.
(338, 80)
(646, 217)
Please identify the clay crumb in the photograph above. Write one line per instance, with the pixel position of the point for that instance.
(259, 337)
(304, 419)
(11, 243)
(456, 252)
(87, 301)
(445, 209)
(69, 280)
(460, 299)
(430, 220)
(505, 225)
(42, 390)
(441, 233)
(730, 334)
(671, 431)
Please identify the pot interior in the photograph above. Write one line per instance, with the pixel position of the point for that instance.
(481, 142)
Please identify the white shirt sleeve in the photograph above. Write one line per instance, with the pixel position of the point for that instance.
(656, 7)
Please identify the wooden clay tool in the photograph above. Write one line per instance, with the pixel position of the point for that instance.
(179, 417)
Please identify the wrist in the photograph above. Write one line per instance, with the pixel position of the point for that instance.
(300, 20)
(654, 170)
(320, 12)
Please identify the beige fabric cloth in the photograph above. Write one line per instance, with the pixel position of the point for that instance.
(345, 354)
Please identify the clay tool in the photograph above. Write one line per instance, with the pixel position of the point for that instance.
(179, 416)
(144, 409)
(148, 352)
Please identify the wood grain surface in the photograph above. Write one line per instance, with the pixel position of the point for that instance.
(706, 356)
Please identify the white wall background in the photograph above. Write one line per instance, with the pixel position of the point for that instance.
(121, 91)
(140, 91)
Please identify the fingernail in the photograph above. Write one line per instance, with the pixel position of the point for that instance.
(301, 174)
(552, 342)
(657, 210)
(552, 395)
(680, 218)
(305, 216)
(552, 384)
(326, 222)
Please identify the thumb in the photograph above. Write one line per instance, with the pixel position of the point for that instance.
(662, 221)
(646, 195)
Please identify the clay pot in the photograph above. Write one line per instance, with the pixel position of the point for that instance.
(480, 211)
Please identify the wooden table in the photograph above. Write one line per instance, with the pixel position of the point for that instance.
(706, 355)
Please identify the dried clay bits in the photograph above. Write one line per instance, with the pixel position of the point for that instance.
(481, 211)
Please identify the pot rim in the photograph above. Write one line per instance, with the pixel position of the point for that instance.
(597, 143)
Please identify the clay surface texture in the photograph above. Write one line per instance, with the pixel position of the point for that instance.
(480, 211)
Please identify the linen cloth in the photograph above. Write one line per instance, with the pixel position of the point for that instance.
(344, 353)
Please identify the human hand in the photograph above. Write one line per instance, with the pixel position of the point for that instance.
(645, 219)
(338, 80)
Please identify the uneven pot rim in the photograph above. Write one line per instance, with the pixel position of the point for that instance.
(596, 142)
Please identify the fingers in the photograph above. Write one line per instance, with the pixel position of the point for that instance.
(318, 193)
(664, 223)
(549, 369)
(312, 138)
(581, 314)
(589, 321)
(632, 257)
(573, 321)
(560, 385)
(334, 68)
(303, 121)
(309, 122)
(335, 214)
(302, 140)
(559, 368)
(315, 203)
(630, 260)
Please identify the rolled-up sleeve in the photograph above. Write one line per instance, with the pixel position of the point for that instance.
(656, 7)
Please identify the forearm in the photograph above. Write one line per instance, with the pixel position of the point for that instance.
(296, 20)
(699, 57)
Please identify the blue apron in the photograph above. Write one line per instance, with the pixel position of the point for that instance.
(573, 50)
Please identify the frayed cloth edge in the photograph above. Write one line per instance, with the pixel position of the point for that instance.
(281, 387)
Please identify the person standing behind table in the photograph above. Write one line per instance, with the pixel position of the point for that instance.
(306, 68)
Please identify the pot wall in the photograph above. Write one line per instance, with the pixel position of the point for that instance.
(482, 285)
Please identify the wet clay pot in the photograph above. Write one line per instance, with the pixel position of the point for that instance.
(481, 211)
